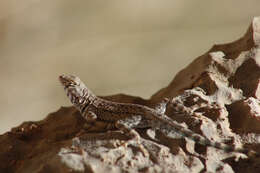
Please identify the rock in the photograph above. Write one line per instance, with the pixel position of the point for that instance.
(217, 96)
(244, 115)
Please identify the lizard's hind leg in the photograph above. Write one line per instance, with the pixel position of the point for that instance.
(162, 106)
(128, 126)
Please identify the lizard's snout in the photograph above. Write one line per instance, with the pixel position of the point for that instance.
(68, 80)
(62, 79)
(65, 80)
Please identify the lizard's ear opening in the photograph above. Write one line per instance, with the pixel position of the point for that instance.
(76, 80)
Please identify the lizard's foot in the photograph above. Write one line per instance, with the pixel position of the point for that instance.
(95, 126)
(135, 137)
(86, 128)
(136, 140)
(162, 106)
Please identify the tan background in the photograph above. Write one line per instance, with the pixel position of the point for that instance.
(115, 46)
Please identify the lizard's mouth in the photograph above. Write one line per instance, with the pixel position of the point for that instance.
(67, 86)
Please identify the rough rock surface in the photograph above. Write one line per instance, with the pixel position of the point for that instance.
(217, 96)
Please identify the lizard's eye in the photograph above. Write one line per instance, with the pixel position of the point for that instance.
(72, 83)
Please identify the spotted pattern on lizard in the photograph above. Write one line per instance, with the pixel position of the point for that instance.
(102, 115)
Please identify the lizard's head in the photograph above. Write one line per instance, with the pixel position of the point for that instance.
(69, 81)
(75, 89)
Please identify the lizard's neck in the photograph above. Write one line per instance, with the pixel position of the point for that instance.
(88, 100)
(80, 96)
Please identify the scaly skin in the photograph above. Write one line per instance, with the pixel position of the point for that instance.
(102, 115)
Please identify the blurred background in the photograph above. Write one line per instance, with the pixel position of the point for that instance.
(117, 46)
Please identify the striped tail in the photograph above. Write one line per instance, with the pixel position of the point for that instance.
(168, 124)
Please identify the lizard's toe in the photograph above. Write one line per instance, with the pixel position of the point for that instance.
(87, 126)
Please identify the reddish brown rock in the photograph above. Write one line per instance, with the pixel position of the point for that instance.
(217, 96)
(244, 115)
(196, 73)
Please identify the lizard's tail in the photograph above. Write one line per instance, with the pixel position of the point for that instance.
(227, 148)
(206, 142)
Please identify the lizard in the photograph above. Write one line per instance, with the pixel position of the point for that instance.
(101, 114)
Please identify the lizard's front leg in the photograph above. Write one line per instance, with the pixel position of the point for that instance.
(89, 116)
(92, 124)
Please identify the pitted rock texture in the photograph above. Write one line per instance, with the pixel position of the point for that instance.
(217, 96)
